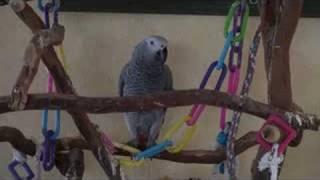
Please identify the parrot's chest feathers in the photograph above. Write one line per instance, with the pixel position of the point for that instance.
(142, 81)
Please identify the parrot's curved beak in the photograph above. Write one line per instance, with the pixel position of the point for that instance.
(163, 54)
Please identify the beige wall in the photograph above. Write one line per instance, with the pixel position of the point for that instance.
(98, 44)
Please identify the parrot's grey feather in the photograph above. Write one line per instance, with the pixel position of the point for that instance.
(122, 78)
(169, 79)
(146, 123)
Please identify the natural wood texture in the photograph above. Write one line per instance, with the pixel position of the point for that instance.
(21, 143)
(35, 49)
(64, 85)
(279, 19)
(163, 99)
(71, 164)
(27, 146)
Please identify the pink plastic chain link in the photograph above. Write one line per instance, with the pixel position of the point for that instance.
(50, 84)
(196, 112)
(233, 83)
(107, 142)
(290, 132)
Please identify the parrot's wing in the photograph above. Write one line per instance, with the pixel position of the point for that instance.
(158, 117)
(168, 79)
(122, 78)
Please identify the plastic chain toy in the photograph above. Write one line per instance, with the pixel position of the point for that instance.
(284, 127)
(49, 144)
(239, 13)
(19, 159)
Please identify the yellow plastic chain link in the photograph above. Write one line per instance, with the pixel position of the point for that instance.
(125, 147)
(187, 135)
(168, 135)
(128, 162)
(131, 163)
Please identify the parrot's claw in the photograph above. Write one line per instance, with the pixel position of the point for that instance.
(132, 143)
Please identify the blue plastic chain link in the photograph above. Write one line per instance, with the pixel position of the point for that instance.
(222, 140)
(56, 132)
(154, 150)
(227, 45)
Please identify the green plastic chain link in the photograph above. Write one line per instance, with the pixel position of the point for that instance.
(244, 23)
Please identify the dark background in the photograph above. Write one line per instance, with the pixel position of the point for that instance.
(195, 7)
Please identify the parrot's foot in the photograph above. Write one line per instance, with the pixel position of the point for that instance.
(134, 143)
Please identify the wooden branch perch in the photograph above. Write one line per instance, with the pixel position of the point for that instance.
(160, 100)
(64, 85)
(21, 143)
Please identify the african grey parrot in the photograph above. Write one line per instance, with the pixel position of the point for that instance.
(146, 73)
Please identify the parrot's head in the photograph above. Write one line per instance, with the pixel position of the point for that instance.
(153, 50)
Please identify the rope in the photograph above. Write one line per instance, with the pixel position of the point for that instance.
(231, 161)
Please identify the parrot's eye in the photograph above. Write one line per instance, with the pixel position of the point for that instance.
(151, 42)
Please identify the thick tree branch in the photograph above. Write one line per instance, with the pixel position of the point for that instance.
(21, 143)
(286, 14)
(160, 100)
(64, 85)
(279, 19)
(33, 53)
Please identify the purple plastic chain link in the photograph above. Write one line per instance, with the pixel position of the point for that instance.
(198, 108)
(49, 152)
